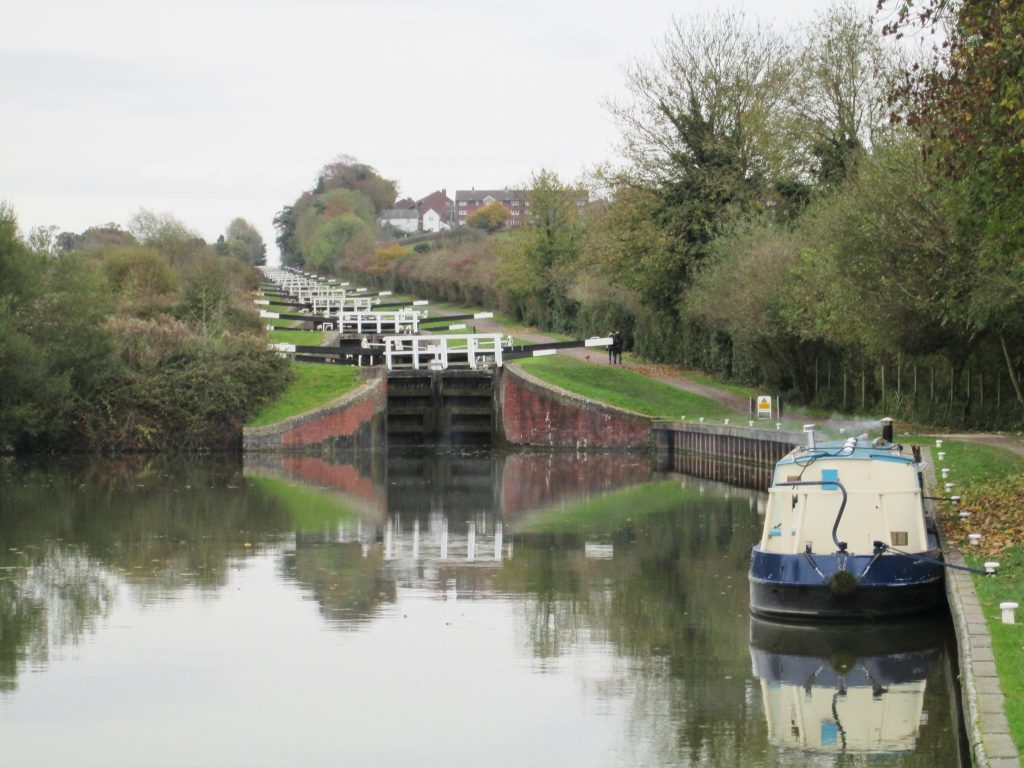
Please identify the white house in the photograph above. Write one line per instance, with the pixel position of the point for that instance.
(433, 222)
(403, 219)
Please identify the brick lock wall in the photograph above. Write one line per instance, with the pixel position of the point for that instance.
(533, 413)
(341, 419)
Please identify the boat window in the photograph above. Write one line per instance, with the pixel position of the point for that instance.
(899, 538)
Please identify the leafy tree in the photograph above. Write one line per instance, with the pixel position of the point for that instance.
(241, 230)
(345, 172)
(490, 217)
(838, 97)
(163, 231)
(140, 277)
(968, 104)
(329, 241)
(701, 133)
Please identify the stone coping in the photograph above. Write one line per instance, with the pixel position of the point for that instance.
(988, 730)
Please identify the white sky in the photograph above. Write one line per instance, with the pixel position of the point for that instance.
(212, 109)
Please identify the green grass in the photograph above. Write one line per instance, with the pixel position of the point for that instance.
(314, 385)
(976, 466)
(311, 510)
(1007, 639)
(302, 338)
(969, 462)
(608, 512)
(624, 389)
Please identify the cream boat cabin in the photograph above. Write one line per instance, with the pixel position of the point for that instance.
(846, 535)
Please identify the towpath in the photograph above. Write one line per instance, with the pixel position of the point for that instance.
(676, 377)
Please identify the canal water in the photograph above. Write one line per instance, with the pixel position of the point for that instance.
(461, 609)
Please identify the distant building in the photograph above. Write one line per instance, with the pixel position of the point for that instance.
(517, 201)
(443, 207)
(405, 203)
(469, 200)
(403, 219)
(433, 222)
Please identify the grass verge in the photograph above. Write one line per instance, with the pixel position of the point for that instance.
(623, 388)
(313, 385)
(990, 481)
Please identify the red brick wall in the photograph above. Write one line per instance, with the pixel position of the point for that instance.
(534, 413)
(342, 477)
(536, 480)
(328, 425)
(342, 419)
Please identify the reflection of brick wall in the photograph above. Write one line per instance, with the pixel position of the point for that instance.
(342, 477)
(534, 413)
(533, 481)
(343, 418)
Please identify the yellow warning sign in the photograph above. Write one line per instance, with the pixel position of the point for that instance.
(764, 406)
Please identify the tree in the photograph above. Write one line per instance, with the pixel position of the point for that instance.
(241, 230)
(166, 233)
(968, 105)
(839, 96)
(701, 133)
(347, 173)
(490, 217)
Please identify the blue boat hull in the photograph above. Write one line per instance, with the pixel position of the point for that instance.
(802, 586)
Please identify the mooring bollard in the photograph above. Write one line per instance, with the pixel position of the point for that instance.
(964, 514)
(945, 473)
(974, 538)
(701, 419)
(991, 566)
(942, 455)
(1008, 608)
(778, 425)
(948, 487)
(938, 443)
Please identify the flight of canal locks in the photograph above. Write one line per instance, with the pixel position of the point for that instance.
(459, 587)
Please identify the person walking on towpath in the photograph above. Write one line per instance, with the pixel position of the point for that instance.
(615, 350)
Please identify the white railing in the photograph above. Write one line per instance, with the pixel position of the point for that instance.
(477, 350)
(401, 321)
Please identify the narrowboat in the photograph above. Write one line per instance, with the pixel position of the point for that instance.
(847, 534)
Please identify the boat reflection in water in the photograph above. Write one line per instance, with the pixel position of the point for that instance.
(847, 690)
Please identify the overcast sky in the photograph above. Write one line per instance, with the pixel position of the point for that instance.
(212, 109)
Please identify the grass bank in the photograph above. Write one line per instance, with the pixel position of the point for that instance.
(312, 385)
(990, 481)
(623, 388)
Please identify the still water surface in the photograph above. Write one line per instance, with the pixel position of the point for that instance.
(454, 610)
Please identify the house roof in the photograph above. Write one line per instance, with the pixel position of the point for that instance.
(479, 195)
(399, 213)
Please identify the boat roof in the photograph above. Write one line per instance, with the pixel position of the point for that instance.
(851, 449)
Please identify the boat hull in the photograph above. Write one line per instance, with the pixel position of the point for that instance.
(802, 587)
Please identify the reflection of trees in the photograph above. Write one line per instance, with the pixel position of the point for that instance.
(72, 531)
(49, 596)
(348, 586)
(673, 603)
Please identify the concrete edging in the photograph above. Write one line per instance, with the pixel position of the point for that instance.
(988, 729)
